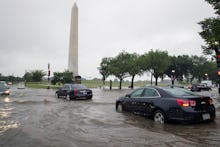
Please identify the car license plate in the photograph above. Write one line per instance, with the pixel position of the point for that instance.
(84, 92)
(206, 116)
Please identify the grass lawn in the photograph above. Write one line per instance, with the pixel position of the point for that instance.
(88, 83)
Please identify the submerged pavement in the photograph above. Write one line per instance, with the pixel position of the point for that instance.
(35, 117)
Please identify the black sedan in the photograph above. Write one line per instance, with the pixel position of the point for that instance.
(74, 91)
(165, 104)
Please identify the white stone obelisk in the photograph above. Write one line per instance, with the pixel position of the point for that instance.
(73, 44)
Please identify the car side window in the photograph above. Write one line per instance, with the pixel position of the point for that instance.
(65, 87)
(137, 93)
(148, 92)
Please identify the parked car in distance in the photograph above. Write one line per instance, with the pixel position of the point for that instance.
(165, 104)
(207, 82)
(199, 87)
(4, 90)
(74, 91)
(204, 86)
(195, 87)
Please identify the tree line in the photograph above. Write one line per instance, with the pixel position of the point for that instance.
(159, 64)
(10, 78)
(58, 77)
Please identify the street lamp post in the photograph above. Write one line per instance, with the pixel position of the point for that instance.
(206, 76)
(173, 77)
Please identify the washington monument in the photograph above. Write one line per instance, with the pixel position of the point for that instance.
(73, 44)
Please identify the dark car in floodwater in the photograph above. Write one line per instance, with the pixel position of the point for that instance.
(165, 104)
(74, 91)
(4, 90)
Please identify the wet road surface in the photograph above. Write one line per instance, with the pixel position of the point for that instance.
(36, 118)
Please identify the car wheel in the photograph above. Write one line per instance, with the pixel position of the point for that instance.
(65, 96)
(160, 117)
(71, 97)
(57, 95)
(119, 107)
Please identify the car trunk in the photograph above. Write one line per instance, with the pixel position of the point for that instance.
(83, 92)
(202, 103)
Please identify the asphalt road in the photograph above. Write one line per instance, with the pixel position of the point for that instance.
(36, 118)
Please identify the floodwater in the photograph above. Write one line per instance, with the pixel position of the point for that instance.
(36, 118)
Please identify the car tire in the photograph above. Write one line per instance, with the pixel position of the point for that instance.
(89, 98)
(71, 97)
(65, 96)
(159, 117)
(119, 107)
(57, 95)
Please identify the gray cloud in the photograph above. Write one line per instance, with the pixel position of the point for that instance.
(33, 33)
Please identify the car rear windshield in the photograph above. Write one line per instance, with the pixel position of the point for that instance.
(78, 86)
(179, 92)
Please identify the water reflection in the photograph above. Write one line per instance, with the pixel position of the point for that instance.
(6, 125)
(6, 110)
(6, 100)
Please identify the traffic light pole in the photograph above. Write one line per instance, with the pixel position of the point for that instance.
(218, 85)
(217, 51)
(218, 70)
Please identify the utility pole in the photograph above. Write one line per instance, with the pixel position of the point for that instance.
(217, 51)
(48, 78)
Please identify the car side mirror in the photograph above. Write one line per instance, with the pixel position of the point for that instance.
(128, 95)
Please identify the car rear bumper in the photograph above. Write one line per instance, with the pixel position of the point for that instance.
(89, 96)
(193, 117)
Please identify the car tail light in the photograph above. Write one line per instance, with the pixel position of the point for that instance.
(74, 92)
(186, 103)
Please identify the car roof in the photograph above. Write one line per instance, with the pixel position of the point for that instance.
(173, 91)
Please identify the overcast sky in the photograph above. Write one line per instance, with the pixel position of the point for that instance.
(34, 33)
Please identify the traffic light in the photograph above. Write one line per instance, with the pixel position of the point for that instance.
(218, 72)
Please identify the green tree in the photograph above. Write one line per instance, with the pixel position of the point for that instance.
(62, 77)
(57, 78)
(27, 77)
(158, 62)
(67, 77)
(104, 68)
(134, 68)
(211, 30)
(37, 75)
(198, 67)
(182, 65)
(204, 69)
(119, 66)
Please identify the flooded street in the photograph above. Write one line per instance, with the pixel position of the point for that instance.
(35, 117)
